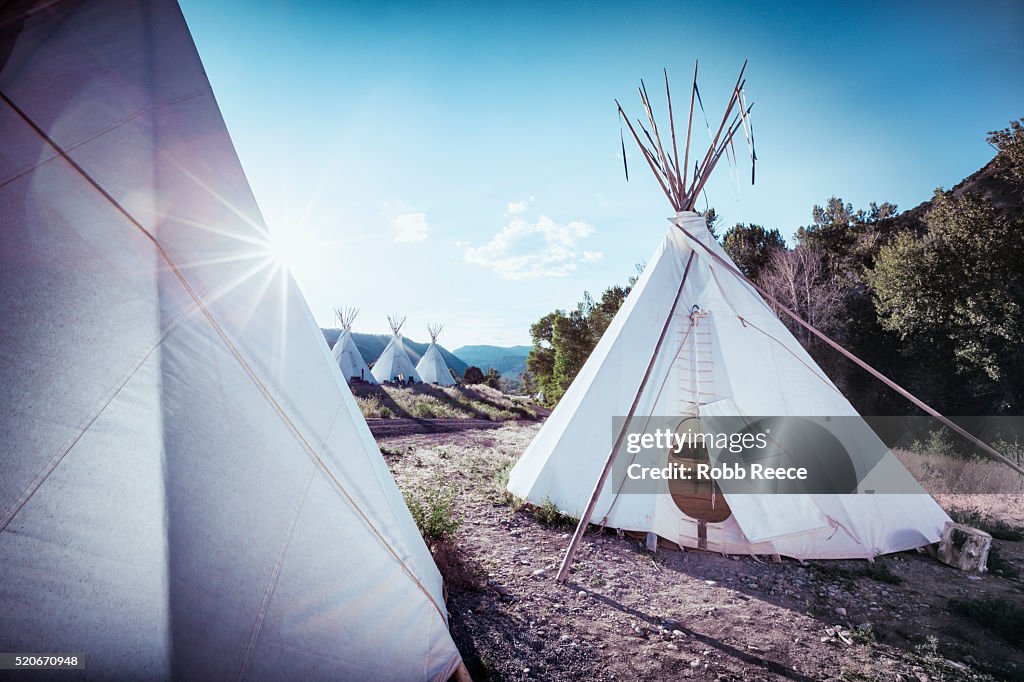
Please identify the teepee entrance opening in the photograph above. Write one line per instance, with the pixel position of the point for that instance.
(700, 499)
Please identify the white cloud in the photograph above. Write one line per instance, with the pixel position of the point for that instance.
(410, 227)
(517, 207)
(525, 250)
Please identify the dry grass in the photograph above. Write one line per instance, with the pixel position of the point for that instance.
(941, 474)
(986, 491)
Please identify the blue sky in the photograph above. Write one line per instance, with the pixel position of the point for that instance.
(459, 162)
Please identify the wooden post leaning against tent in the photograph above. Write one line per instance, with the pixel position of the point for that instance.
(581, 528)
(666, 173)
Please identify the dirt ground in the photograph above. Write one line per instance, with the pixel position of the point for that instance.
(628, 614)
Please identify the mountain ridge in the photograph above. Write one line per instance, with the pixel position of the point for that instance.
(510, 361)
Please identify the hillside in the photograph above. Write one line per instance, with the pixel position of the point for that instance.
(510, 361)
(372, 345)
(989, 182)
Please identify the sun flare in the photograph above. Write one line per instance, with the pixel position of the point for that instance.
(297, 250)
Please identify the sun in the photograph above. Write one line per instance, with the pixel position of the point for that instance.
(297, 250)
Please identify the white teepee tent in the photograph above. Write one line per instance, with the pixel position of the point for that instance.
(188, 490)
(693, 339)
(432, 368)
(345, 351)
(394, 362)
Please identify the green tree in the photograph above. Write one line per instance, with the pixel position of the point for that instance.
(562, 341)
(751, 247)
(528, 383)
(959, 288)
(1009, 144)
(847, 238)
(602, 312)
(473, 375)
(541, 360)
(493, 378)
(711, 219)
(572, 343)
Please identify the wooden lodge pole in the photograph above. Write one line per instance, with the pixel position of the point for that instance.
(581, 528)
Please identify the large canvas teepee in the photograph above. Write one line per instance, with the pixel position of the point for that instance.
(432, 368)
(345, 351)
(188, 490)
(394, 363)
(694, 340)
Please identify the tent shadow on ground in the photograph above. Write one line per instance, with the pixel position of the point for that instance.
(442, 395)
(900, 633)
(367, 390)
(515, 409)
(746, 656)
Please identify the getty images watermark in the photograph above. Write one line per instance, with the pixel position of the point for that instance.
(685, 445)
(809, 455)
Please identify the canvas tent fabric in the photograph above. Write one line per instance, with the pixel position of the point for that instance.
(752, 365)
(394, 362)
(350, 360)
(432, 368)
(187, 490)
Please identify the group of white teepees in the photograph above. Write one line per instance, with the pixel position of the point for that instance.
(394, 363)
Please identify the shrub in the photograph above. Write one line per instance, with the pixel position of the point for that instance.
(473, 375)
(864, 634)
(385, 413)
(547, 513)
(433, 510)
(998, 529)
(938, 444)
(424, 410)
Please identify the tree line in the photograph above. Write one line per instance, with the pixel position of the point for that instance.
(932, 297)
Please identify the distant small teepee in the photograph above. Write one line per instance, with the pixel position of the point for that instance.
(394, 363)
(432, 367)
(346, 353)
